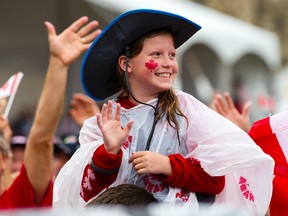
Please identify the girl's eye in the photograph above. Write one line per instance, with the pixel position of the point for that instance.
(172, 55)
(156, 54)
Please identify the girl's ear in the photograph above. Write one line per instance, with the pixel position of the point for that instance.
(122, 63)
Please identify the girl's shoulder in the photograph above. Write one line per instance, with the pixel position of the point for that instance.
(186, 99)
(184, 96)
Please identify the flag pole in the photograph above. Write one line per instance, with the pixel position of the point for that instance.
(9, 104)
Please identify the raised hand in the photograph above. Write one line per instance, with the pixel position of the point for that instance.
(78, 37)
(113, 134)
(226, 107)
(64, 49)
(82, 107)
(147, 162)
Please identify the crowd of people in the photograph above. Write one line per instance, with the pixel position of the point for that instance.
(150, 143)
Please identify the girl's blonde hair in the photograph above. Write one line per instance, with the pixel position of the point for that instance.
(168, 101)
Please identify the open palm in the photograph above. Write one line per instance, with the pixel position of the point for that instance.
(68, 45)
(114, 135)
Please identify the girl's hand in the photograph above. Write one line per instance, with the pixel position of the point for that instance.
(113, 134)
(147, 162)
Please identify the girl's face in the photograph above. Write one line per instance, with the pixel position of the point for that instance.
(154, 69)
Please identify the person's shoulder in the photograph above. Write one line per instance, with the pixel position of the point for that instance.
(184, 96)
(181, 94)
(20, 189)
(187, 100)
(91, 121)
(89, 131)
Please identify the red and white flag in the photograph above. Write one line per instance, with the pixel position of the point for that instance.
(11, 86)
(9, 89)
(271, 134)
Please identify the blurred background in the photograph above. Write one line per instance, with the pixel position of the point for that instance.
(242, 48)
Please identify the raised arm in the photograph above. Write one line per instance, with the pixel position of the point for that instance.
(64, 49)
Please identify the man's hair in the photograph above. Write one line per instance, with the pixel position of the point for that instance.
(125, 194)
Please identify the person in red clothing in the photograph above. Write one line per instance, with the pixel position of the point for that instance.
(153, 136)
(33, 186)
(269, 133)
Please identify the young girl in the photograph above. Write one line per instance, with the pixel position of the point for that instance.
(156, 137)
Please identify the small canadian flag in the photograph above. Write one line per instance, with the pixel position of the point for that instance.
(11, 86)
(9, 89)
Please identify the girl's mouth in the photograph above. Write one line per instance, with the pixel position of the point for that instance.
(163, 75)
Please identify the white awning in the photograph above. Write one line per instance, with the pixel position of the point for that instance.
(230, 38)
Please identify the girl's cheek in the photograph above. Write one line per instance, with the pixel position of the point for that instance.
(151, 65)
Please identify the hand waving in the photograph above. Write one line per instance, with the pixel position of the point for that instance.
(226, 107)
(78, 37)
(113, 134)
(82, 107)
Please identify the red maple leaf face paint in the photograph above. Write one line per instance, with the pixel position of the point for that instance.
(151, 65)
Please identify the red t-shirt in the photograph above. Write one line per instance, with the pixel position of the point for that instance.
(20, 194)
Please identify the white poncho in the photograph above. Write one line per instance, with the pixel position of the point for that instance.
(221, 147)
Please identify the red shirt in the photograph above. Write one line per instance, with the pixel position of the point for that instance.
(20, 194)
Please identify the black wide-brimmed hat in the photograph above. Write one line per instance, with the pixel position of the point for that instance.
(98, 72)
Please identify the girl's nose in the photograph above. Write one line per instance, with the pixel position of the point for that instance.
(167, 61)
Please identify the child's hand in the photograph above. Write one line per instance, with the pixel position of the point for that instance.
(147, 162)
(113, 134)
